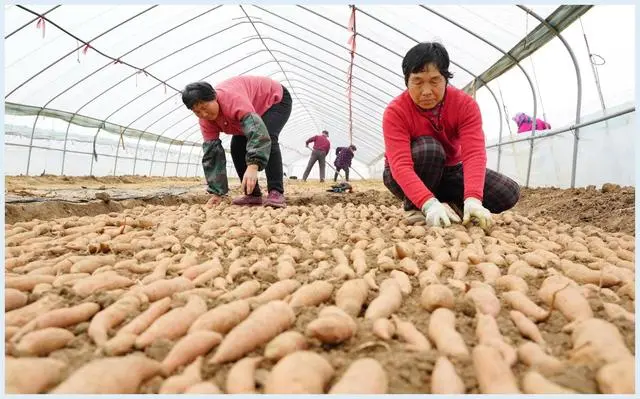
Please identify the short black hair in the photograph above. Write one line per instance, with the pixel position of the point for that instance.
(197, 92)
(353, 147)
(325, 132)
(423, 54)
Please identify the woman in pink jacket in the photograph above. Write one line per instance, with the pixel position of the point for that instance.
(525, 123)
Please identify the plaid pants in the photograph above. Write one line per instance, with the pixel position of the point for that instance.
(446, 182)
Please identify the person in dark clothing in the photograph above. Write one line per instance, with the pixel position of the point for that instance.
(344, 155)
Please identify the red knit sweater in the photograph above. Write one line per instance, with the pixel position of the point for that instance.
(462, 138)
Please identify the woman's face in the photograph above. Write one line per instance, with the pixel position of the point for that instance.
(427, 88)
(208, 110)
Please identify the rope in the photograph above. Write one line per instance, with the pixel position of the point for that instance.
(352, 43)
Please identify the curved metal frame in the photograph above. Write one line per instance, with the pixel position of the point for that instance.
(307, 82)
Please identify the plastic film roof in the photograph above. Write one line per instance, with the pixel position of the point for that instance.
(122, 66)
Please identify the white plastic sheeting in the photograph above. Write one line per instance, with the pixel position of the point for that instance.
(124, 64)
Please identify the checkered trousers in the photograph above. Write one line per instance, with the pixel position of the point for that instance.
(446, 182)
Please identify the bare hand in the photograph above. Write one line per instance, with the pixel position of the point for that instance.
(250, 179)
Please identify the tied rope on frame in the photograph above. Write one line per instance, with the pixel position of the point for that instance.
(352, 43)
(41, 24)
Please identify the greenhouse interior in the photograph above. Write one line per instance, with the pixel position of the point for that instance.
(142, 244)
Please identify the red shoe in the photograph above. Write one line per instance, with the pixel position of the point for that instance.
(275, 199)
(247, 200)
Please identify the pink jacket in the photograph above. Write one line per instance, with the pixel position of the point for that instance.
(525, 123)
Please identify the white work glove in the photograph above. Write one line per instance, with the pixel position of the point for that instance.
(437, 214)
(473, 209)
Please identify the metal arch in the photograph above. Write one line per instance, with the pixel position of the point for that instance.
(334, 117)
(145, 67)
(30, 22)
(169, 98)
(576, 132)
(533, 92)
(76, 49)
(284, 61)
(179, 107)
(57, 61)
(274, 57)
(336, 107)
(226, 66)
(329, 40)
(121, 56)
(335, 55)
(268, 62)
(399, 55)
(338, 79)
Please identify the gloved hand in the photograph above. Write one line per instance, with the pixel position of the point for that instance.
(473, 209)
(250, 179)
(436, 214)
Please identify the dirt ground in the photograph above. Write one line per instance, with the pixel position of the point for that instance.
(610, 209)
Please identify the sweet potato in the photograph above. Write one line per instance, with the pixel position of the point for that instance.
(535, 357)
(359, 260)
(110, 375)
(403, 281)
(285, 343)
(68, 279)
(351, 296)
(262, 325)
(89, 264)
(14, 299)
(243, 291)
(207, 276)
(277, 290)
(163, 288)
(31, 375)
(583, 274)
(484, 300)
(406, 331)
(444, 378)
(442, 333)
(521, 302)
(26, 283)
(492, 371)
(488, 333)
(21, 316)
(332, 326)
(301, 372)
(616, 312)
(363, 376)
(370, 279)
(119, 344)
(384, 328)
(241, 377)
(527, 328)
(510, 282)
(566, 298)
(173, 324)
(522, 269)
(64, 317)
(159, 272)
(490, 272)
(205, 387)
(194, 271)
(596, 342)
(534, 383)
(223, 317)
(311, 294)
(100, 282)
(387, 302)
(43, 341)
(617, 377)
(189, 348)
(144, 319)
(111, 317)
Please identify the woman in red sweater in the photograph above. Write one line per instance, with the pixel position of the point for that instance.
(435, 149)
